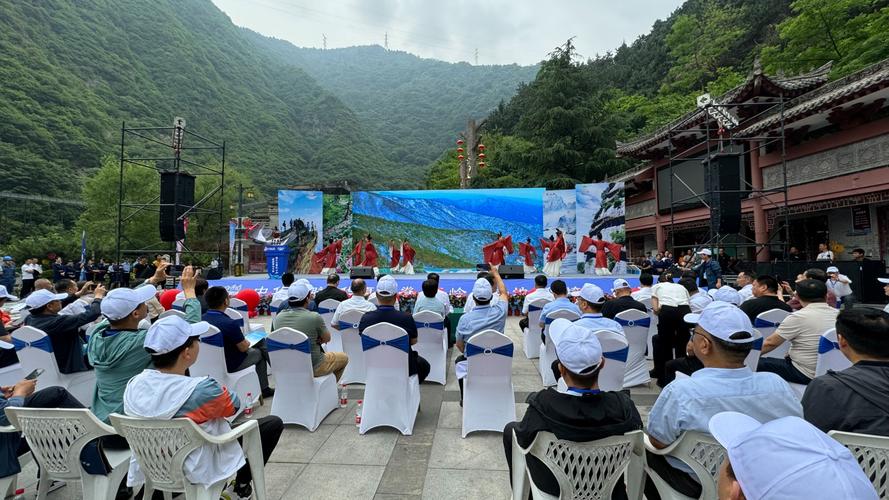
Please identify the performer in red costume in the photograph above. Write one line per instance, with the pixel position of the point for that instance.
(601, 265)
(318, 261)
(331, 255)
(408, 253)
(528, 253)
(494, 251)
(557, 251)
(620, 264)
(370, 253)
(356, 253)
(395, 257)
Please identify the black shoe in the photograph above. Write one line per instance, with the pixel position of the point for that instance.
(268, 392)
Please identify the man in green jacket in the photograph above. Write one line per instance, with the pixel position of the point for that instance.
(116, 347)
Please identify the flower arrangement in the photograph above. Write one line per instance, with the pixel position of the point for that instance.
(517, 300)
(458, 297)
(407, 297)
(264, 308)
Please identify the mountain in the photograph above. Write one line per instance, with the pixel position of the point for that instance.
(414, 106)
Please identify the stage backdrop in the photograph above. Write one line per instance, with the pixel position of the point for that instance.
(338, 224)
(600, 209)
(300, 221)
(559, 213)
(448, 228)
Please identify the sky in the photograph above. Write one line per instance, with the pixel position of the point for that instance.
(503, 31)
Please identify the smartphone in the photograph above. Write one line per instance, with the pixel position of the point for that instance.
(483, 267)
(36, 373)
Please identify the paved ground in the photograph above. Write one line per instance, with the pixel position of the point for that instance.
(335, 462)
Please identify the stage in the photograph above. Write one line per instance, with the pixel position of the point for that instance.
(451, 282)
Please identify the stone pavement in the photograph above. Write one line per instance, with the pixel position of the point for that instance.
(335, 462)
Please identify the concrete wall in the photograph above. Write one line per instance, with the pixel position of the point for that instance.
(840, 226)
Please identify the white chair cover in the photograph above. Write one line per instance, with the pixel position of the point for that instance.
(165, 314)
(652, 328)
(432, 344)
(391, 396)
(615, 350)
(767, 322)
(488, 397)
(301, 397)
(548, 350)
(178, 305)
(872, 453)
(11, 374)
(700, 452)
(326, 309)
(587, 470)
(636, 325)
(241, 306)
(532, 333)
(752, 359)
(56, 438)
(348, 334)
(9, 484)
(829, 355)
(161, 447)
(34, 350)
(211, 362)
(275, 306)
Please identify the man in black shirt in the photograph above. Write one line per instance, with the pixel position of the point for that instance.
(622, 300)
(580, 413)
(332, 290)
(857, 398)
(387, 288)
(67, 346)
(765, 298)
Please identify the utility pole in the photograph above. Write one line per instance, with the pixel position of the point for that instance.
(324, 40)
(469, 164)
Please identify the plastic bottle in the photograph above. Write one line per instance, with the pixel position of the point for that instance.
(344, 396)
(358, 413)
(19, 494)
(248, 406)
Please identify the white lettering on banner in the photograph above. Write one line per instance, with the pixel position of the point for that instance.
(233, 288)
(261, 290)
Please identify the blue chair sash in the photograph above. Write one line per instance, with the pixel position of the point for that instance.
(179, 307)
(44, 344)
(275, 309)
(214, 340)
(345, 325)
(241, 308)
(646, 322)
(825, 346)
(534, 308)
(504, 350)
(324, 310)
(548, 320)
(274, 345)
(438, 325)
(402, 343)
(761, 323)
(757, 344)
(619, 355)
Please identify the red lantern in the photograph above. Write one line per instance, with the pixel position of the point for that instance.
(459, 142)
(482, 156)
(459, 150)
(460, 157)
(481, 147)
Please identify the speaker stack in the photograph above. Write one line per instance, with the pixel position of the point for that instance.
(511, 271)
(722, 177)
(177, 196)
(363, 272)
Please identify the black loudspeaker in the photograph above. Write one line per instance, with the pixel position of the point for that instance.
(509, 271)
(362, 272)
(722, 179)
(177, 196)
(214, 274)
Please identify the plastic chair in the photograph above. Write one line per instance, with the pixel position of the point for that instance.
(587, 470)
(432, 344)
(9, 484)
(162, 446)
(211, 363)
(57, 437)
(829, 355)
(548, 350)
(767, 322)
(356, 372)
(171, 312)
(34, 350)
(636, 325)
(872, 453)
(698, 450)
(391, 396)
(302, 398)
(752, 359)
(488, 397)
(532, 333)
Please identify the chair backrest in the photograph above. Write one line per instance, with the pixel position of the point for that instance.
(172, 312)
(588, 470)
(287, 350)
(351, 317)
(243, 310)
(534, 310)
(373, 299)
(704, 455)
(386, 360)
(495, 358)
(34, 350)
(752, 359)
(430, 327)
(872, 453)
(829, 355)
(635, 324)
(211, 356)
(559, 313)
(767, 322)
(57, 436)
(178, 305)
(615, 350)
(326, 309)
(275, 306)
(646, 301)
(238, 316)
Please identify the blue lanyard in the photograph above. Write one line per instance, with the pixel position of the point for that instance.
(584, 391)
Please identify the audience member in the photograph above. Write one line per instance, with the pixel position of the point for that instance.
(238, 353)
(426, 300)
(623, 300)
(794, 255)
(697, 300)
(709, 269)
(166, 392)
(784, 458)
(765, 298)
(8, 277)
(387, 290)
(29, 269)
(644, 291)
(332, 290)
(58, 270)
(540, 292)
(81, 296)
(670, 301)
(441, 295)
(855, 399)
(470, 301)
(310, 323)
(591, 301)
(824, 253)
(727, 294)
(803, 329)
(723, 336)
(745, 285)
(45, 284)
(488, 314)
(579, 413)
(44, 307)
(357, 302)
(281, 294)
(687, 364)
(841, 286)
(560, 302)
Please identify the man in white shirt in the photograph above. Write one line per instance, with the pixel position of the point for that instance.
(441, 295)
(470, 301)
(745, 282)
(540, 292)
(670, 301)
(27, 277)
(280, 296)
(824, 254)
(358, 302)
(697, 300)
(841, 286)
(644, 291)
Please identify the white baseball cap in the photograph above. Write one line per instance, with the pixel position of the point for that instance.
(705, 251)
(727, 294)
(482, 289)
(4, 294)
(832, 269)
(170, 333)
(722, 320)
(577, 348)
(305, 282)
(42, 297)
(884, 281)
(120, 302)
(590, 293)
(788, 458)
(298, 291)
(387, 286)
(618, 284)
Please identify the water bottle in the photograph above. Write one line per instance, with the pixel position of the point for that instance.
(344, 396)
(358, 413)
(248, 406)
(19, 494)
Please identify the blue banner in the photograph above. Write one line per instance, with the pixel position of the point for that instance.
(276, 260)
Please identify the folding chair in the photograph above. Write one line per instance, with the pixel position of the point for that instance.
(488, 397)
(391, 396)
